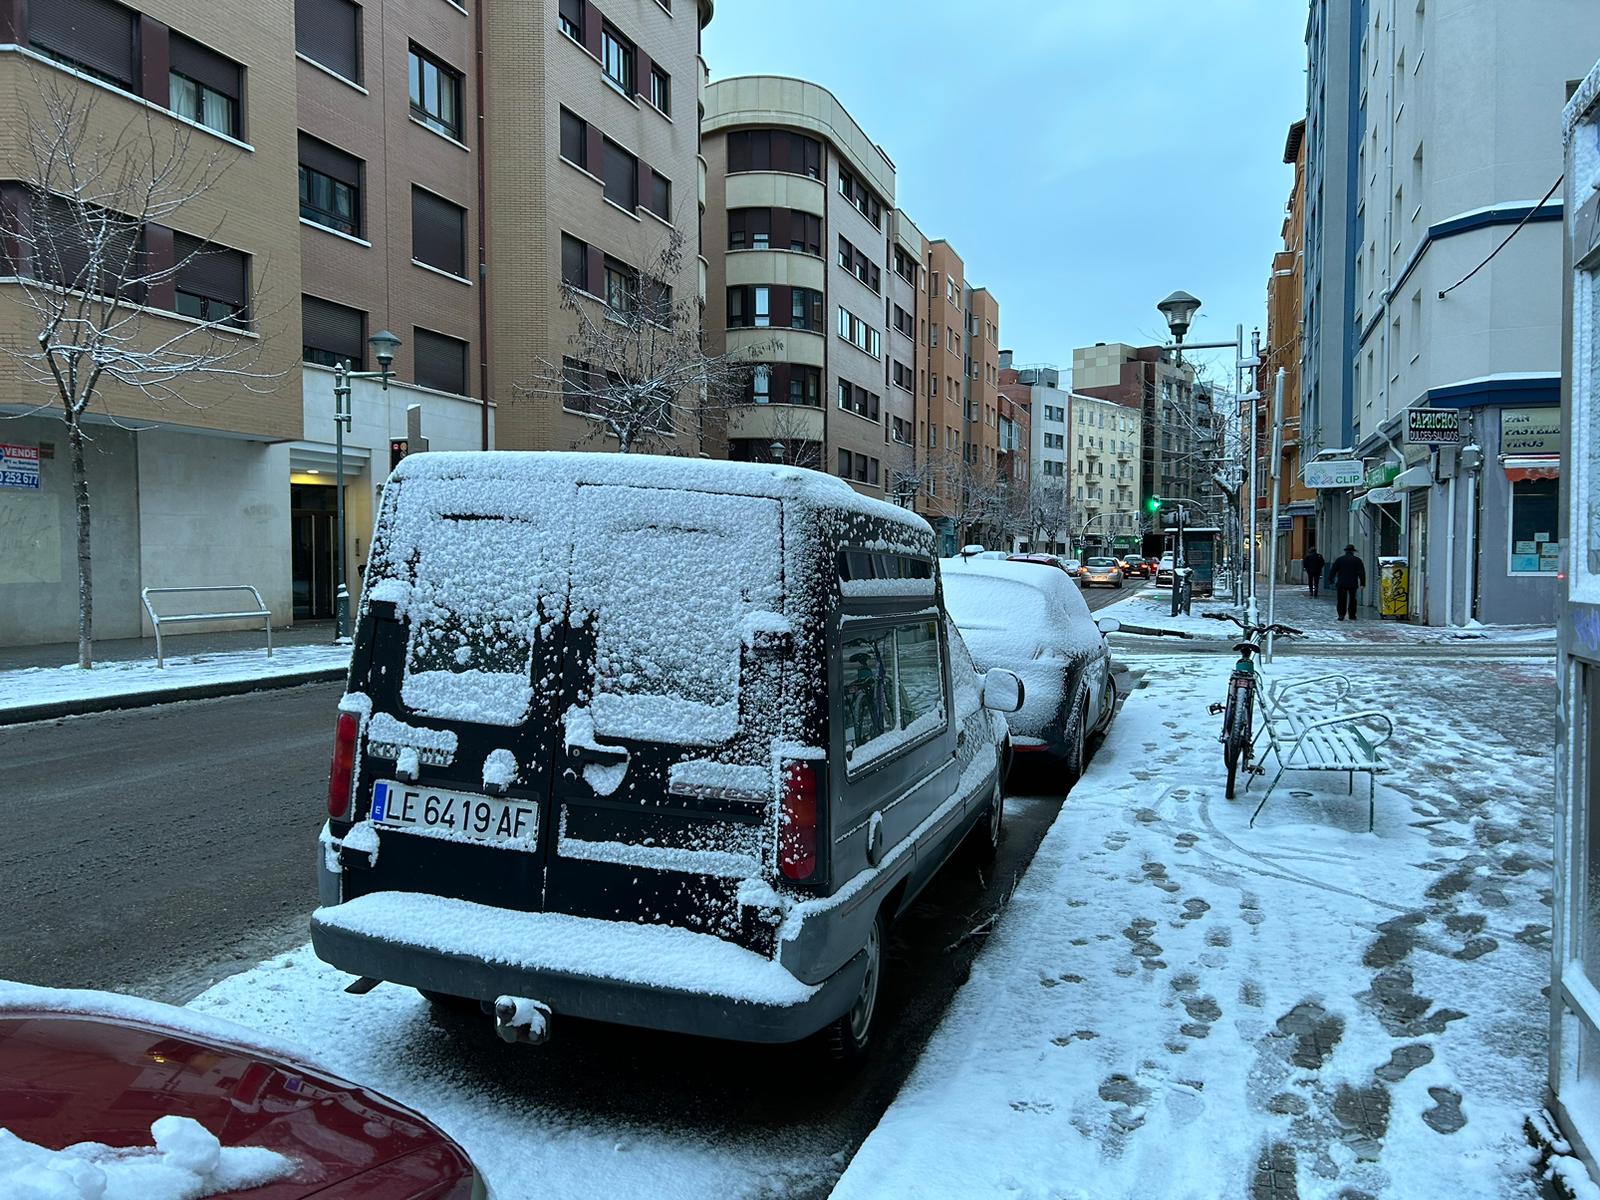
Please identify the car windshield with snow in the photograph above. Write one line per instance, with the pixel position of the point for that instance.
(1036, 624)
(647, 740)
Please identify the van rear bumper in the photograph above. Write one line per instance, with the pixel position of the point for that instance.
(675, 980)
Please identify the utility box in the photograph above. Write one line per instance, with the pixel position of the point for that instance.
(1394, 589)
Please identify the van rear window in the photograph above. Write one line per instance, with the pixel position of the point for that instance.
(893, 688)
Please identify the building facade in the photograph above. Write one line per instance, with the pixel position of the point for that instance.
(1574, 1075)
(1104, 444)
(799, 223)
(1037, 390)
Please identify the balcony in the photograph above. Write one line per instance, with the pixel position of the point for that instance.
(776, 422)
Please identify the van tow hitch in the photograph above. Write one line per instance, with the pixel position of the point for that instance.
(518, 1019)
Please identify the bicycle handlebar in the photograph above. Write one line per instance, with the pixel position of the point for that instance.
(1274, 628)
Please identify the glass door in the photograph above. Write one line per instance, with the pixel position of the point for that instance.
(312, 520)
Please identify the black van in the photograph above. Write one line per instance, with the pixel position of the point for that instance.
(649, 740)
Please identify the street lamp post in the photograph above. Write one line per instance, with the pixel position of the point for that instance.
(383, 344)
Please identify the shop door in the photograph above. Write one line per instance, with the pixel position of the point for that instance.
(312, 520)
(1417, 559)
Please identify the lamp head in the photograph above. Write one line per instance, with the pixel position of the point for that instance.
(383, 344)
(1179, 309)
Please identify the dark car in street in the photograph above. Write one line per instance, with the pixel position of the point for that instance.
(648, 740)
(118, 1073)
(1035, 623)
(1135, 564)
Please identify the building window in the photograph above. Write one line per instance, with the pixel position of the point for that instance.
(328, 32)
(660, 196)
(331, 333)
(576, 385)
(204, 86)
(761, 384)
(571, 19)
(439, 362)
(574, 262)
(330, 187)
(656, 297)
(862, 197)
(844, 464)
(805, 309)
(621, 286)
(435, 93)
(616, 58)
(858, 400)
(805, 386)
(661, 90)
(620, 171)
(211, 281)
(574, 139)
(438, 233)
(859, 334)
(749, 307)
(805, 233)
(1535, 541)
(93, 36)
(749, 228)
(774, 150)
(903, 376)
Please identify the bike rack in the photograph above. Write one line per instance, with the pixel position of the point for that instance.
(260, 612)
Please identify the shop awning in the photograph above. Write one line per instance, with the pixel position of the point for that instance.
(318, 458)
(1531, 466)
(1413, 477)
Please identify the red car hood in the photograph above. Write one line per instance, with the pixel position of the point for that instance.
(68, 1077)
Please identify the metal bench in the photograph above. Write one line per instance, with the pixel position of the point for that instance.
(1304, 735)
(259, 613)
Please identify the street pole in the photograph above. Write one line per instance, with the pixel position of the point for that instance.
(341, 422)
(1251, 609)
(1272, 526)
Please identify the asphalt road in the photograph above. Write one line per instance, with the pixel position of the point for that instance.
(159, 850)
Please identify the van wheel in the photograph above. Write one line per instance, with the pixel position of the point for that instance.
(848, 1038)
(983, 843)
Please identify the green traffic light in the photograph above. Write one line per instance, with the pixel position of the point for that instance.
(1153, 504)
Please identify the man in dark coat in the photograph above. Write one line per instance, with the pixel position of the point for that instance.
(1313, 562)
(1347, 574)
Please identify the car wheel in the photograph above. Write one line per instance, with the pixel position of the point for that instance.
(850, 1036)
(1110, 705)
(1072, 764)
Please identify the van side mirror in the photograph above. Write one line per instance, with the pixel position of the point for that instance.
(1002, 690)
(1108, 624)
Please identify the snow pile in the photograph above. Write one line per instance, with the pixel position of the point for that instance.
(1177, 1004)
(186, 1163)
(499, 768)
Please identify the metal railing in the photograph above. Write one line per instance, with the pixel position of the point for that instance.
(261, 612)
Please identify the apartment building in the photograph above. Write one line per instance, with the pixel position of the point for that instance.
(981, 380)
(905, 357)
(182, 491)
(1104, 443)
(942, 420)
(1175, 458)
(799, 228)
(1036, 392)
(1451, 315)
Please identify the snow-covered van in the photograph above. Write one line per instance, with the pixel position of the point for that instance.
(649, 740)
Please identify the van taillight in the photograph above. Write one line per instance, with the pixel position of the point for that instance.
(797, 822)
(344, 759)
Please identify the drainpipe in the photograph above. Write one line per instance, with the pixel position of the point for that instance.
(1450, 548)
(1272, 527)
(483, 212)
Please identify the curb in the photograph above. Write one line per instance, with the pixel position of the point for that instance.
(56, 709)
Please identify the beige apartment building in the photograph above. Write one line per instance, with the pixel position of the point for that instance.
(798, 229)
(588, 165)
(1104, 440)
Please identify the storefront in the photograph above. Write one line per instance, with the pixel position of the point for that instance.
(1574, 1077)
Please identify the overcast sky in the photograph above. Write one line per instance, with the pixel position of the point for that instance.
(1084, 157)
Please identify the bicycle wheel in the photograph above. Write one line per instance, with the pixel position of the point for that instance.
(1237, 734)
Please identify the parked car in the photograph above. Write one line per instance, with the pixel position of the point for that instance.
(1043, 560)
(1036, 624)
(1164, 571)
(93, 1067)
(1073, 567)
(620, 730)
(1102, 570)
(1135, 564)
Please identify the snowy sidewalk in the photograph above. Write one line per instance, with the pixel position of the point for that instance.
(44, 693)
(1176, 1005)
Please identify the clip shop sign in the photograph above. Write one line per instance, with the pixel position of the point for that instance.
(1434, 427)
(19, 466)
(1334, 473)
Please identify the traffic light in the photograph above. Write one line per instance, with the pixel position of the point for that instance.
(1153, 505)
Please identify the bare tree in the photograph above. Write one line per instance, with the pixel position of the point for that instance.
(637, 363)
(76, 237)
(1052, 513)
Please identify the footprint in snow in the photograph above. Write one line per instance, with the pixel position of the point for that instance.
(1403, 1061)
(1445, 1116)
(1193, 909)
(1219, 935)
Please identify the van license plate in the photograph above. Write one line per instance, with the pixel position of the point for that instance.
(453, 814)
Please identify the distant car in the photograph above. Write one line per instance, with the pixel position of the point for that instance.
(1164, 571)
(1035, 624)
(1136, 564)
(1043, 560)
(94, 1067)
(1072, 567)
(1102, 570)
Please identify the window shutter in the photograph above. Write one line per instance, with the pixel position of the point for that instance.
(641, 72)
(440, 362)
(328, 32)
(782, 311)
(340, 331)
(209, 270)
(780, 228)
(96, 33)
(438, 232)
(591, 28)
(333, 162)
(205, 66)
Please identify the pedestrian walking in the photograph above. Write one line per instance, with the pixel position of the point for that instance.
(1347, 574)
(1313, 563)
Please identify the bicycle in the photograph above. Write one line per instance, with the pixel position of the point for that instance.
(1238, 710)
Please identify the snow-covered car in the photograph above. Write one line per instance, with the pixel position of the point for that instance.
(166, 1104)
(647, 740)
(1037, 624)
(1101, 570)
(1043, 560)
(1164, 571)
